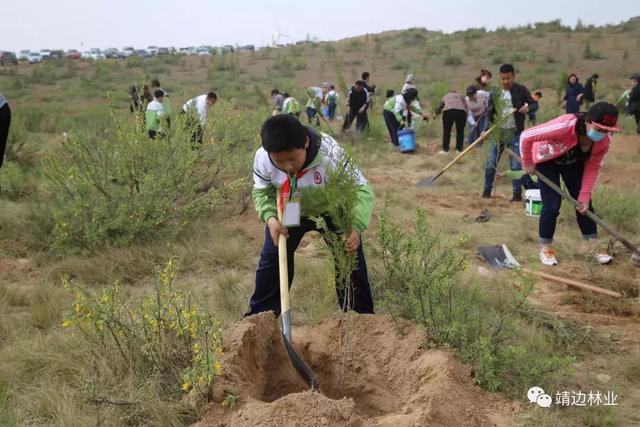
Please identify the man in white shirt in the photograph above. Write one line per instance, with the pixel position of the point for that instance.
(200, 106)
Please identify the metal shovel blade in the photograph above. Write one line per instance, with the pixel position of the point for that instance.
(428, 181)
(301, 367)
(498, 257)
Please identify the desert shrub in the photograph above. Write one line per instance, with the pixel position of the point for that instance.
(44, 73)
(418, 278)
(163, 332)
(134, 61)
(122, 186)
(452, 59)
(589, 53)
(15, 181)
(19, 147)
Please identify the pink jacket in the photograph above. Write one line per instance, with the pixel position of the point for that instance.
(553, 139)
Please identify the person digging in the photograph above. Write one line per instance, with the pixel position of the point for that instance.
(571, 147)
(292, 166)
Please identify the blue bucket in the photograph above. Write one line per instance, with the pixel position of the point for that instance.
(407, 141)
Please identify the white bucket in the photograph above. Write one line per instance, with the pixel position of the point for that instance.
(533, 203)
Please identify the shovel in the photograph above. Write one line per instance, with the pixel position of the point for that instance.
(500, 258)
(429, 181)
(303, 369)
(635, 257)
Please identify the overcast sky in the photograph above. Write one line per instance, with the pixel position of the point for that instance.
(64, 24)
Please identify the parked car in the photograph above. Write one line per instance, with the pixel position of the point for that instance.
(153, 50)
(73, 54)
(8, 58)
(56, 54)
(128, 51)
(163, 51)
(247, 48)
(203, 51)
(113, 53)
(45, 53)
(193, 50)
(85, 55)
(96, 54)
(142, 53)
(183, 51)
(34, 57)
(24, 55)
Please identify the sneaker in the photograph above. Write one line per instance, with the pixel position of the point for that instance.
(516, 198)
(458, 152)
(443, 152)
(604, 258)
(548, 256)
(486, 194)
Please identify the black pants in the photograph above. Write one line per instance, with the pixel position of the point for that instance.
(311, 114)
(393, 125)
(362, 120)
(5, 122)
(449, 117)
(636, 114)
(572, 177)
(266, 296)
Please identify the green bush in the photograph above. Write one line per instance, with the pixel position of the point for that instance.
(452, 59)
(122, 186)
(165, 332)
(15, 181)
(619, 208)
(44, 73)
(418, 278)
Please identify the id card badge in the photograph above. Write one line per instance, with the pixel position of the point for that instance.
(291, 214)
(292, 210)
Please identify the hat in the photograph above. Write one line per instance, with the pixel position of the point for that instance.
(325, 84)
(471, 90)
(604, 116)
(635, 76)
(410, 78)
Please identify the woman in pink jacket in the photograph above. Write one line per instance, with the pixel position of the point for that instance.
(573, 147)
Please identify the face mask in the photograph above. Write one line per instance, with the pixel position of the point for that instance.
(595, 136)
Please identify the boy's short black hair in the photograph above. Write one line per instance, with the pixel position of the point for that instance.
(507, 68)
(275, 92)
(212, 95)
(332, 87)
(390, 93)
(365, 75)
(158, 93)
(538, 93)
(282, 132)
(360, 83)
(286, 95)
(155, 83)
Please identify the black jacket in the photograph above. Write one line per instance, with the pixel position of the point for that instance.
(589, 93)
(519, 96)
(357, 100)
(634, 99)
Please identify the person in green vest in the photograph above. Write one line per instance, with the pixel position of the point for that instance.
(166, 103)
(154, 114)
(398, 111)
(291, 106)
(315, 95)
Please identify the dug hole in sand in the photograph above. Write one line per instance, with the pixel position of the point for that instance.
(390, 379)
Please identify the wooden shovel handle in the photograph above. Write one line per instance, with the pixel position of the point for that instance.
(283, 270)
(473, 144)
(574, 283)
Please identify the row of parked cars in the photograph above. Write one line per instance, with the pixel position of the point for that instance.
(33, 57)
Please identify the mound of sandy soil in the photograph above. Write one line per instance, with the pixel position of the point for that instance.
(390, 379)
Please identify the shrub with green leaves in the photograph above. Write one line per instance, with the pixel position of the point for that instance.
(121, 187)
(164, 332)
(419, 278)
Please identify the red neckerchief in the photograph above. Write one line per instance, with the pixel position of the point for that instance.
(286, 188)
